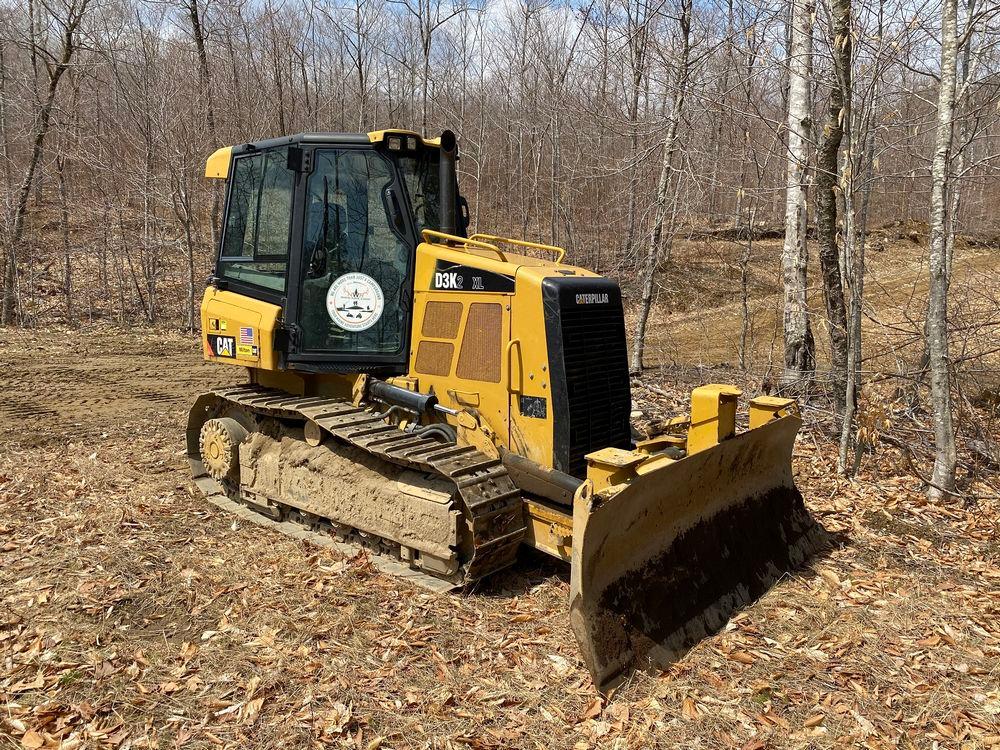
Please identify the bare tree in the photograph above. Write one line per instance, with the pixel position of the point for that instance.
(663, 185)
(64, 231)
(838, 118)
(942, 482)
(639, 18)
(68, 19)
(799, 348)
(4, 136)
(856, 273)
(430, 15)
(206, 101)
(184, 212)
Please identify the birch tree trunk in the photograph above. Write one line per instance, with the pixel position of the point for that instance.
(799, 354)
(669, 147)
(958, 167)
(945, 459)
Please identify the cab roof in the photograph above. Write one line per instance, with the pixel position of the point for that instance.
(218, 163)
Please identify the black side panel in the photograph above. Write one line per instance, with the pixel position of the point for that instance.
(591, 397)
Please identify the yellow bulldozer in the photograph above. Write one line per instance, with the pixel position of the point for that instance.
(444, 397)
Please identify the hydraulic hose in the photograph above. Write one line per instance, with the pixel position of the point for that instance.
(445, 431)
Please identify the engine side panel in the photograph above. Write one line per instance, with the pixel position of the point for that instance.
(535, 348)
(461, 329)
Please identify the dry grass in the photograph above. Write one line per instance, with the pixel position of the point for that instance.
(133, 614)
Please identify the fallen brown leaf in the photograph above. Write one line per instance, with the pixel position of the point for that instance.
(689, 709)
(592, 711)
(742, 657)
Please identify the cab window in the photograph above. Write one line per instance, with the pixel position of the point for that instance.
(258, 221)
(420, 173)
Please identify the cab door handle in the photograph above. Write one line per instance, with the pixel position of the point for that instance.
(394, 210)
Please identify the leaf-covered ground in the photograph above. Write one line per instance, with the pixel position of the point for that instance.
(134, 614)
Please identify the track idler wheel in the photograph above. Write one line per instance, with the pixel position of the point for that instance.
(219, 444)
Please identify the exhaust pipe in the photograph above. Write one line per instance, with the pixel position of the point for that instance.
(448, 179)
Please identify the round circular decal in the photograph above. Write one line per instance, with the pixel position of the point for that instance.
(355, 302)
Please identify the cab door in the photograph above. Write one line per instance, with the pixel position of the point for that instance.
(353, 284)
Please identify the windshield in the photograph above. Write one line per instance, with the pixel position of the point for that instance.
(420, 172)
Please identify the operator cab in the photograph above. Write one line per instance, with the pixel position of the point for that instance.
(326, 226)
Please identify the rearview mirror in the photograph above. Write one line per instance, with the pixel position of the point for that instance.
(464, 212)
(299, 159)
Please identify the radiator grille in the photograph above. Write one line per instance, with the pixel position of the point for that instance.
(441, 320)
(481, 343)
(594, 401)
(434, 358)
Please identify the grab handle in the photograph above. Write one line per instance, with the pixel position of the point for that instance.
(510, 366)
(430, 235)
(559, 252)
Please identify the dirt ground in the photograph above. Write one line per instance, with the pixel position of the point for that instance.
(133, 614)
(700, 312)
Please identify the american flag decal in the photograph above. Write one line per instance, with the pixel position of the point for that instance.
(246, 335)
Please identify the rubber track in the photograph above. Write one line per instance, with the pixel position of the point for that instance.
(490, 502)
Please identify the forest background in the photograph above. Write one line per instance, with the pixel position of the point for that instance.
(736, 161)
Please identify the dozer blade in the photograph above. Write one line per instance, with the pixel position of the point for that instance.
(668, 559)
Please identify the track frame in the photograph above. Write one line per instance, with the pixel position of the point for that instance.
(492, 506)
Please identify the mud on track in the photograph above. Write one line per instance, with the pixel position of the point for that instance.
(135, 614)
